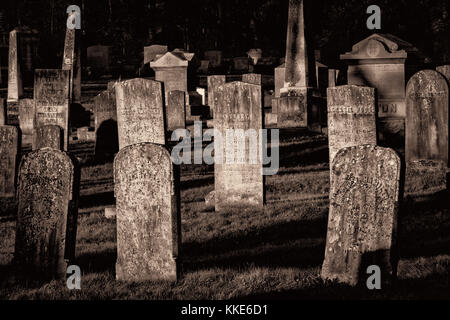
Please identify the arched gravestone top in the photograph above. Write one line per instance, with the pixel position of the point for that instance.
(427, 117)
(362, 220)
(49, 136)
(140, 112)
(148, 213)
(9, 148)
(44, 192)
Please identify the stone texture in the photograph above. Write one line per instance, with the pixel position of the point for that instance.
(424, 177)
(9, 149)
(427, 117)
(351, 117)
(51, 96)
(445, 71)
(293, 110)
(140, 112)
(44, 192)
(72, 62)
(213, 83)
(27, 111)
(239, 107)
(105, 107)
(12, 113)
(252, 78)
(280, 74)
(176, 110)
(146, 187)
(48, 136)
(15, 87)
(2, 112)
(362, 220)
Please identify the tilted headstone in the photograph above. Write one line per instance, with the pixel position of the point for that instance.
(175, 110)
(238, 183)
(72, 62)
(44, 192)
(213, 83)
(27, 112)
(9, 149)
(351, 117)
(51, 96)
(15, 88)
(252, 78)
(146, 187)
(427, 117)
(140, 113)
(362, 220)
(48, 136)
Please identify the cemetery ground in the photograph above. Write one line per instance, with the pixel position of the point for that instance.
(243, 253)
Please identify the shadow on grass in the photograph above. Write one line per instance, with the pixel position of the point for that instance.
(98, 199)
(97, 262)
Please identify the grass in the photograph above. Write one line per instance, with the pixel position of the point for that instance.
(244, 253)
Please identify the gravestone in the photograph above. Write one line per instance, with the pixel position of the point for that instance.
(427, 117)
(362, 220)
(252, 78)
(105, 107)
(2, 112)
(72, 62)
(48, 136)
(333, 75)
(351, 117)
(146, 187)
(175, 110)
(214, 57)
(238, 107)
(151, 52)
(27, 113)
(241, 64)
(445, 71)
(213, 83)
(140, 113)
(9, 149)
(15, 88)
(44, 192)
(51, 96)
(280, 74)
(105, 127)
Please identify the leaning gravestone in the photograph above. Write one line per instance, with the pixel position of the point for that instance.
(48, 136)
(175, 110)
(362, 220)
(140, 114)
(427, 117)
(213, 83)
(44, 193)
(351, 117)
(252, 78)
(146, 188)
(9, 148)
(27, 113)
(239, 110)
(51, 95)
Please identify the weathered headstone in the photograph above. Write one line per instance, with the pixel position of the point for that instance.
(362, 220)
(252, 78)
(15, 88)
(2, 112)
(280, 74)
(27, 112)
(140, 113)
(148, 213)
(238, 109)
(51, 96)
(445, 71)
(213, 83)
(72, 62)
(351, 117)
(427, 117)
(9, 150)
(48, 136)
(105, 107)
(175, 110)
(44, 192)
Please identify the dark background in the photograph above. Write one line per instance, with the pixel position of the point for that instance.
(233, 26)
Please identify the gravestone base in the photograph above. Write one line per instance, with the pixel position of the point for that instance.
(27, 140)
(170, 273)
(425, 177)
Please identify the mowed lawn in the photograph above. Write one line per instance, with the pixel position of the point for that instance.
(244, 253)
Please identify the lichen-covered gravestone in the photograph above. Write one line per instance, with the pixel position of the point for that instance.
(140, 113)
(9, 149)
(146, 187)
(51, 95)
(175, 110)
(427, 117)
(362, 220)
(44, 192)
(238, 113)
(351, 117)
(27, 112)
(252, 78)
(213, 83)
(48, 136)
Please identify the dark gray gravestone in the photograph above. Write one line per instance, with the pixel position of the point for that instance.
(292, 110)
(351, 117)
(238, 108)
(9, 148)
(44, 192)
(175, 110)
(140, 113)
(49, 136)
(427, 117)
(27, 111)
(146, 187)
(213, 83)
(51, 95)
(363, 213)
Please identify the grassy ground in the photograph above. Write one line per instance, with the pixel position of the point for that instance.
(243, 253)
